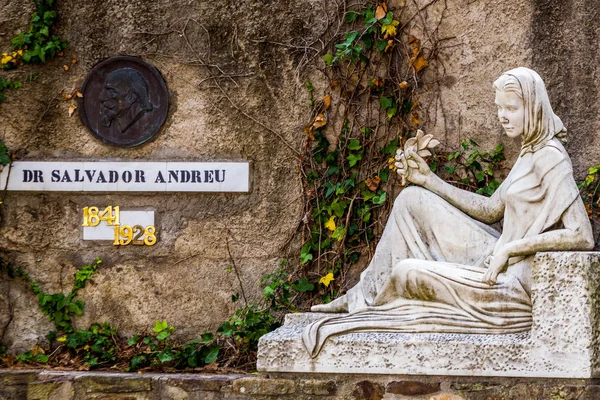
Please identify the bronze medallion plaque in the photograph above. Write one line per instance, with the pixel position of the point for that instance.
(125, 101)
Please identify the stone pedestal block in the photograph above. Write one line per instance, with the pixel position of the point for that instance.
(563, 341)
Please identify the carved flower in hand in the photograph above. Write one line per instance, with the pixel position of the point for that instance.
(421, 145)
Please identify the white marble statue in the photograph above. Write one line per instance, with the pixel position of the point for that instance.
(439, 267)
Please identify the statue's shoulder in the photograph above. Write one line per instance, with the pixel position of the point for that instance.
(552, 154)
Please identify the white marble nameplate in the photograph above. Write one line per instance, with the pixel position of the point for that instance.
(130, 218)
(99, 176)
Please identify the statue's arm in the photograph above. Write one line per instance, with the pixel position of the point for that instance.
(481, 208)
(576, 235)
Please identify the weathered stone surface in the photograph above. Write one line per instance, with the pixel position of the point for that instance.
(203, 382)
(446, 396)
(117, 383)
(367, 390)
(318, 387)
(5, 312)
(270, 387)
(62, 384)
(55, 389)
(136, 286)
(563, 341)
(13, 384)
(133, 288)
(412, 388)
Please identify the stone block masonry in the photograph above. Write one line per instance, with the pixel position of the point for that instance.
(70, 385)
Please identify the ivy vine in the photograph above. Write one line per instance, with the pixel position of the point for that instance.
(35, 46)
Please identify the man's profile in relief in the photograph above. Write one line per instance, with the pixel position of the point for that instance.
(125, 99)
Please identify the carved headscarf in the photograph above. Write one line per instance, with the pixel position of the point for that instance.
(541, 124)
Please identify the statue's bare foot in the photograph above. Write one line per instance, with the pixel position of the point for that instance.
(339, 305)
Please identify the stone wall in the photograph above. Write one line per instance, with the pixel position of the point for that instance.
(35, 385)
(237, 94)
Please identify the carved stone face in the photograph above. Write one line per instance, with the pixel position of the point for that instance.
(511, 113)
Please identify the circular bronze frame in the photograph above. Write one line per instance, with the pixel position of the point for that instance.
(142, 120)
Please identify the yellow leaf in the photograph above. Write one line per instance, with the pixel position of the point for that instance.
(389, 30)
(403, 85)
(86, 347)
(72, 109)
(62, 339)
(20, 53)
(326, 280)
(66, 67)
(330, 224)
(5, 58)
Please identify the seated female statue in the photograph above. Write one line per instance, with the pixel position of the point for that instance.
(439, 266)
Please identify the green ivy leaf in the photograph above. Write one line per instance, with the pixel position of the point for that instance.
(386, 102)
(353, 159)
(303, 285)
(160, 326)
(351, 16)
(163, 335)
(339, 232)
(379, 199)
(328, 59)
(212, 355)
(354, 144)
(165, 356)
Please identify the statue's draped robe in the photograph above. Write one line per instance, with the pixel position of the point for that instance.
(438, 252)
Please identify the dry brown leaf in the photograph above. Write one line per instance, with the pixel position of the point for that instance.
(390, 45)
(334, 84)
(377, 82)
(319, 121)
(68, 96)
(78, 93)
(308, 129)
(381, 11)
(327, 102)
(72, 109)
(403, 85)
(373, 183)
(74, 61)
(419, 63)
(66, 67)
(414, 119)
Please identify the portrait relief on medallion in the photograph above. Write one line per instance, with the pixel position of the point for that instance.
(125, 101)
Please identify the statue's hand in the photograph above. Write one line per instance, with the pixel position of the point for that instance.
(495, 264)
(421, 175)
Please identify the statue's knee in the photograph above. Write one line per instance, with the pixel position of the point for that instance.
(410, 197)
(403, 270)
